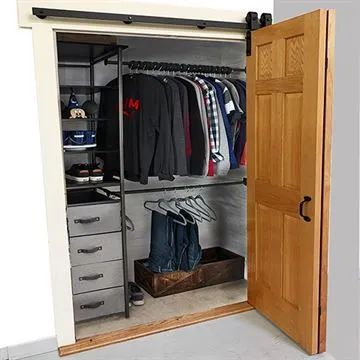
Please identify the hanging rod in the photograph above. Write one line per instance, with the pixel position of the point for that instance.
(43, 13)
(175, 67)
(186, 187)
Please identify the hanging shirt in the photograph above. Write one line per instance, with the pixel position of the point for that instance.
(241, 139)
(177, 125)
(196, 130)
(222, 105)
(184, 99)
(221, 167)
(213, 118)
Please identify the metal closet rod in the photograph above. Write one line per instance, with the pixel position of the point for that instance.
(176, 67)
(186, 187)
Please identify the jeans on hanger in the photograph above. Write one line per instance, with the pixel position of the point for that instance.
(173, 246)
(187, 247)
(161, 257)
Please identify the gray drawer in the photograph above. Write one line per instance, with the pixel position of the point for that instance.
(97, 276)
(93, 219)
(98, 303)
(95, 248)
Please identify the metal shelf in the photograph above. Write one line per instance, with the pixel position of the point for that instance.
(90, 151)
(84, 89)
(105, 184)
(87, 119)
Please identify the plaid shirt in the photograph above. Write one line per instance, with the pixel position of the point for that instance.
(213, 119)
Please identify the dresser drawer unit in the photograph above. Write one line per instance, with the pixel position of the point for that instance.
(98, 303)
(95, 248)
(93, 219)
(97, 276)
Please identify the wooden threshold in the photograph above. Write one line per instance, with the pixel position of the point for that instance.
(154, 327)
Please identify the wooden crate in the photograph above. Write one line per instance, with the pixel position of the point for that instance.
(217, 266)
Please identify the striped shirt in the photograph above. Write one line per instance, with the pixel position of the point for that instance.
(213, 119)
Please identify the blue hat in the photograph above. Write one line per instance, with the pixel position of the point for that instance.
(73, 102)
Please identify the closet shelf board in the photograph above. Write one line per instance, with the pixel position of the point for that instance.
(74, 152)
(74, 186)
(87, 119)
(83, 89)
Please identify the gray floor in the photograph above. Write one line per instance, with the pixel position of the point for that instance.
(247, 336)
(188, 302)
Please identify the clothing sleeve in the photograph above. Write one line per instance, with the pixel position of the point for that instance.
(178, 134)
(164, 155)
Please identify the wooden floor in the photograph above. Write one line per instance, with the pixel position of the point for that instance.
(247, 336)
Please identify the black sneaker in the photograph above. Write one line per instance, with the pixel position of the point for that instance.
(78, 173)
(136, 294)
(96, 174)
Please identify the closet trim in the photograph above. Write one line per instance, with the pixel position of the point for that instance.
(325, 212)
(155, 327)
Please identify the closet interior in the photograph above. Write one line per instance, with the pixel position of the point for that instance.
(173, 176)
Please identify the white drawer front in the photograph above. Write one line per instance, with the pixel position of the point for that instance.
(93, 219)
(95, 248)
(97, 276)
(98, 303)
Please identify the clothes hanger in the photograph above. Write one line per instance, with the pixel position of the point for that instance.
(189, 212)
(199, 197)
(172, 209)
(130, 227)
(191, 201)
(152, 202)
(194, 212)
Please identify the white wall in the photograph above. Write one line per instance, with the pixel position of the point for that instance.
(25, 291)
(26, 312)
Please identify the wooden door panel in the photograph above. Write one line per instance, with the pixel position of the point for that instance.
(286, 89)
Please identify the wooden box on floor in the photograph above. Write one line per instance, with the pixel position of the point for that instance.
(217, 266)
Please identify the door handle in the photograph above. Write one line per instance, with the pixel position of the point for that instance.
(301, 208)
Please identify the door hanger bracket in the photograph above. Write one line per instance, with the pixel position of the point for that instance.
(253, 22)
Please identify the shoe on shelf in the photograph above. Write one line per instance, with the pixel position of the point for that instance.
(78, 173)
(136, 294)
(79, 139)
(96, 174)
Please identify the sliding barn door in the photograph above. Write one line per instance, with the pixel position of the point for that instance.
(285, 116)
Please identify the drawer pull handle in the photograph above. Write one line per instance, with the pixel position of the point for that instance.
(87, 220)
(301, 208)
(91, 277)
(94, 305)
(90, 251)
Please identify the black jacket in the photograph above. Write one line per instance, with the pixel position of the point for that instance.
(147, 128)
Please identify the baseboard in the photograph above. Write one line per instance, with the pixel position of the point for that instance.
(154, 327)
(38, 347)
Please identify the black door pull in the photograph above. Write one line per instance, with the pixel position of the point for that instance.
(305, 217)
